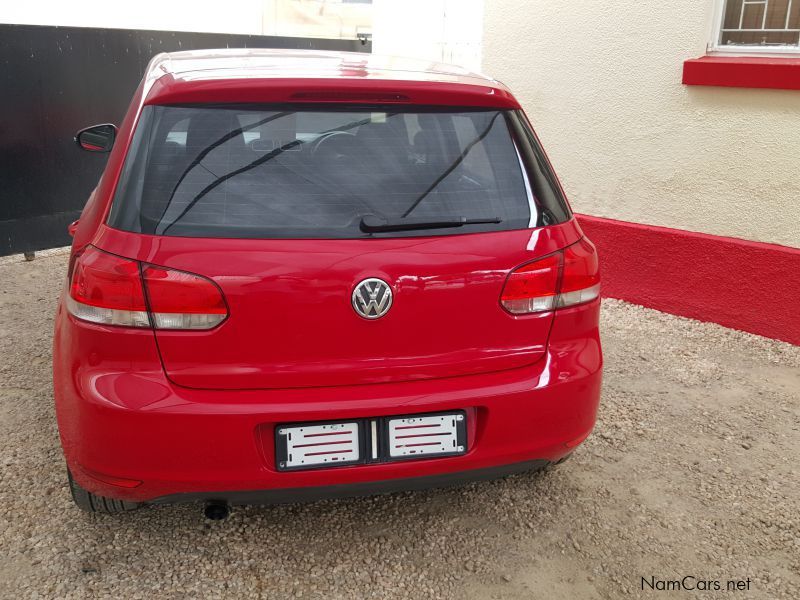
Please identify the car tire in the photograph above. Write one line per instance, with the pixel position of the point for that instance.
(92, 503)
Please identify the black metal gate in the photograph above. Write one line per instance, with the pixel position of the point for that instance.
(55, 80)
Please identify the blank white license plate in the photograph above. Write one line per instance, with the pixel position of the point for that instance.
(427, 434)
(370, 440)
(313, 445)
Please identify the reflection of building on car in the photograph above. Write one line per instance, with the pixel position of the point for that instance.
(307, 274)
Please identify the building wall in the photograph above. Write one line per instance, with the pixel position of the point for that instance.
(239, 16)
(317, 18)
(304, 18)
(601, 81)
(446, 31)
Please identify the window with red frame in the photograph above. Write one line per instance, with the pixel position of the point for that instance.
(755, 44)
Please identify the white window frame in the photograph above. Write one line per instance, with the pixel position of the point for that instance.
(714, 45)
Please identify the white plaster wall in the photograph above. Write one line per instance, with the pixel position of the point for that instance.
(232, 16)
(447, 31)
(306, 18)
(601, 81)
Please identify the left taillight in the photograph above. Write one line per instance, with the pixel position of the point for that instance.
(112, 290)
(181, 300)
(107, 289)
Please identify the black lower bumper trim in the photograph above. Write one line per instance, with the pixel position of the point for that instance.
(348, 490)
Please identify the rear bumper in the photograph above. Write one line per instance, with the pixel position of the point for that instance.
(129, 433)
(349, 490)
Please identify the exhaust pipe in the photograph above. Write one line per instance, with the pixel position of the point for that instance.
(216, 511)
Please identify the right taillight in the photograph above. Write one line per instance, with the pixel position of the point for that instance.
(566, 278)
(112, 290)
(580, 278)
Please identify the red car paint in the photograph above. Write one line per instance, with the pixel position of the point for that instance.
(145, 413)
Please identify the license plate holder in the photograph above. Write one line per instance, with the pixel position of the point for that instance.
(326, 444)
(430, 435)
(320, 444)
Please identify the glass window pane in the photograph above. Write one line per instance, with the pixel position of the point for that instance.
(733, 9)
(752, 16)
(761, 23)
(776, 14)
(250, 172)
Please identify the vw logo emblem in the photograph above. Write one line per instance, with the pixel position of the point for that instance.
(372, 298)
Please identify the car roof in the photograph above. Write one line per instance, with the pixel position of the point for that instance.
(201, 75)
(300, 64)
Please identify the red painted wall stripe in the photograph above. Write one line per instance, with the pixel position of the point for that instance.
(745, 285)
(782, 73)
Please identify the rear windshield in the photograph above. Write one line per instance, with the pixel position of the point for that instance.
(256, 172)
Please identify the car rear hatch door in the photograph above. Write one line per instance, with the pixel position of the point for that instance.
(292, 321)
(270, 204)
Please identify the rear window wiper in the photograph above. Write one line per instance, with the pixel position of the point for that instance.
(375, 224)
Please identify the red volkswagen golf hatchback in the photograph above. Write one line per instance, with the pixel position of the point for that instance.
(309, 274)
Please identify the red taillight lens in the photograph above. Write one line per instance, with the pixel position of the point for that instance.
(566, 278)
(580, 281)
(366, 97)
(532, 287)
(180, 300)
(108, 289)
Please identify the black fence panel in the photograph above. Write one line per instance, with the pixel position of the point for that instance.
(55, 80)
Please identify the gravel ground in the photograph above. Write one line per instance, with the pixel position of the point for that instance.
(692, 470)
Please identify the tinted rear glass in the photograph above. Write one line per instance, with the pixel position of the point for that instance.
(284, 173)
